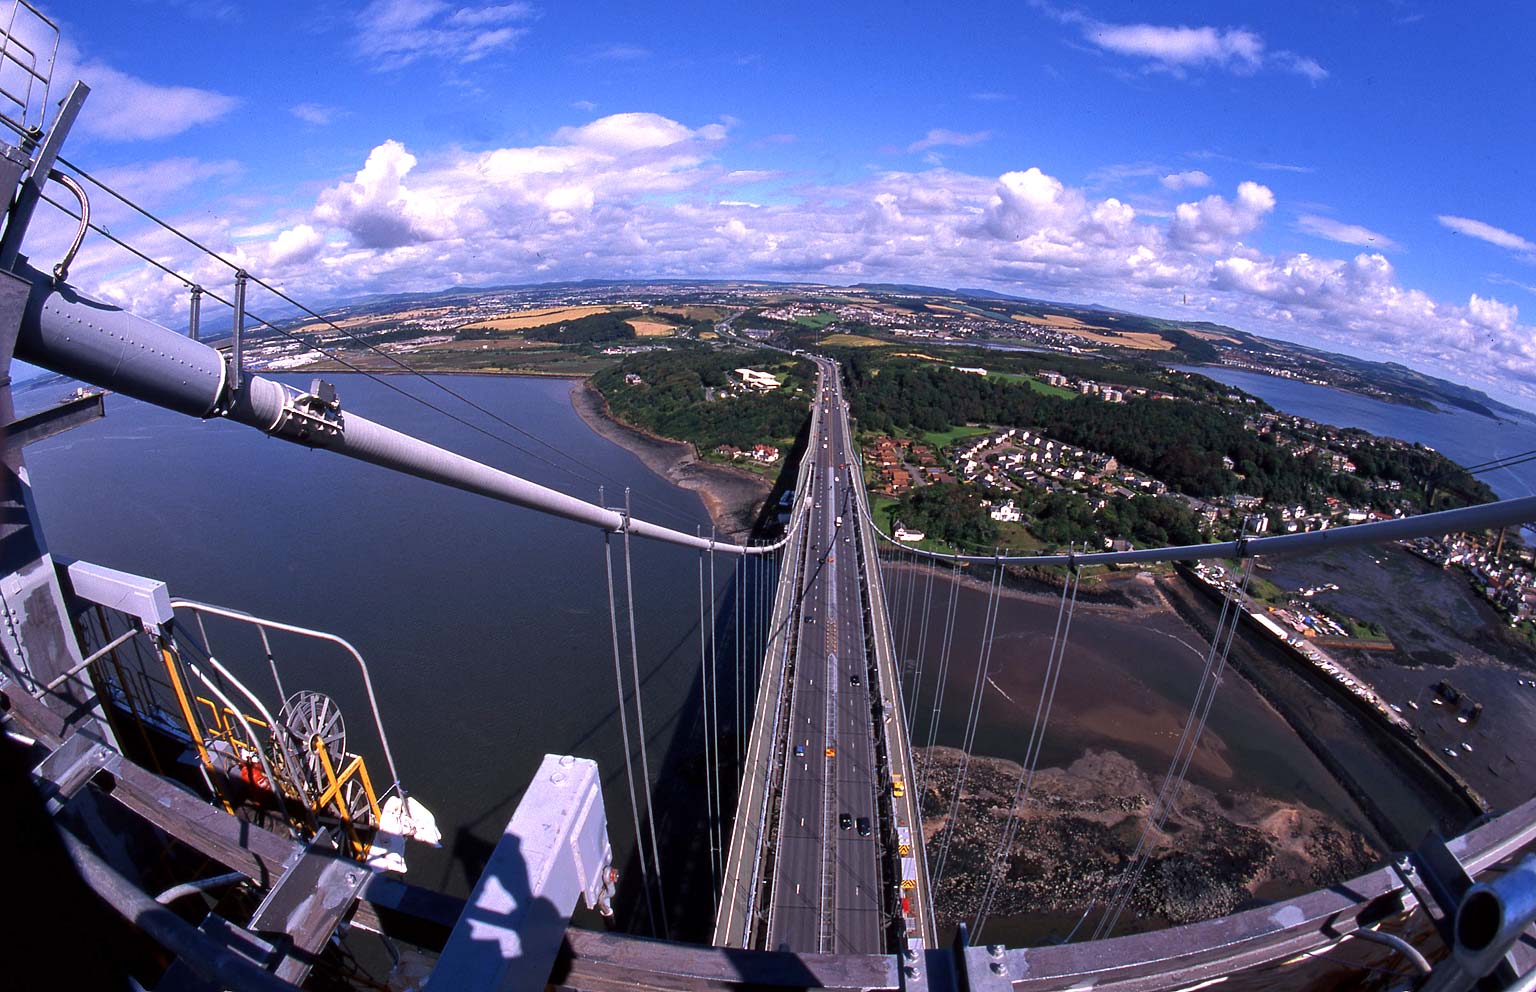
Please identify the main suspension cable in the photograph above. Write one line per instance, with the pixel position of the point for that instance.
(576, 471)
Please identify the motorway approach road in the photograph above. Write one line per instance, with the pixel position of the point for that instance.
(827, 879)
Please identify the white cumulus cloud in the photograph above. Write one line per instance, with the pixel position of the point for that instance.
(646, 196)
(1216, 221)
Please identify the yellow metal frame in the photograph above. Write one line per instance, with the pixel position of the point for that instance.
(332, 795)
(224, 726)
(168, 655)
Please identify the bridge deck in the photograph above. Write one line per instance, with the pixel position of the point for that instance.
(814, 854)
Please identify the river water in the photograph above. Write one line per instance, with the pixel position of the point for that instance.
(1128, 679)
(1466, 437)
(485, 626)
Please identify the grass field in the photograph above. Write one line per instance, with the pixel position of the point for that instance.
(817, 321)
(1035, 384)
(943, 439)
(851, 340)
(880, 508)
(1016, 539)
(523, 320)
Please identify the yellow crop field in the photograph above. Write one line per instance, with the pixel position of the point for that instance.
(525, 319)
(851, 340)
(1140, 340)
(1057, 321)
(652, 328)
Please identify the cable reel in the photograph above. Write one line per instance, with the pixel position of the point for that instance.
(316, 735)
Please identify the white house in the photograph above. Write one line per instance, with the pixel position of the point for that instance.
(753, 379)
(1007, 513)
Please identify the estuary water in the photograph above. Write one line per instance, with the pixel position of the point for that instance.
(1461, 435)
(485, 626)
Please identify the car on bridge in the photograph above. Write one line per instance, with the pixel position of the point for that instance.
(854, 680)
(831, 752)
(863, 826)
(845, 821)
(799, 750)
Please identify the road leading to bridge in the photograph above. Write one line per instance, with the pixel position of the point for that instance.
(843, 831)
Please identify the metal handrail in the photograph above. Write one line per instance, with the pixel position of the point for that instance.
(33, 73)
(319, 635)
(250, 733)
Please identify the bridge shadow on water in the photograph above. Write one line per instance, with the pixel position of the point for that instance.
(681, 796)
(678, 724)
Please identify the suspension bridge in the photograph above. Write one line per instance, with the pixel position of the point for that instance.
(825, 879)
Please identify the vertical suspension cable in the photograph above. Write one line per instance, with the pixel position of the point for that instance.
(765, 614)
(1053, 667)
(711, 821)
(989, 624)
(629, 769)
(755, 653)
(946, 646)
(906, 623)
(1189, 740)
(741, 682)
(714, 682)
(645, 761)
(922, 645)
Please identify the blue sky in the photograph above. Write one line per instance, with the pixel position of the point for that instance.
(1355, 177)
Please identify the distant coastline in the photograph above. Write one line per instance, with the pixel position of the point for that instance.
(733, 497)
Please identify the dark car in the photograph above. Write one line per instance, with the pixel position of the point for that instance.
(845, 821)
(855, 680)
(863, 826)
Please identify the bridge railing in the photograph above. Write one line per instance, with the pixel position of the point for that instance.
(739, 911)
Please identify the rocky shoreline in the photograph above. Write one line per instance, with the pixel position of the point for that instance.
(1216, 853)
(734, 498)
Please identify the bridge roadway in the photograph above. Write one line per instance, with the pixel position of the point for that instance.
(797, 877)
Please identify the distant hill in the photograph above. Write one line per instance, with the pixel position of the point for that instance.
(1198, 342)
